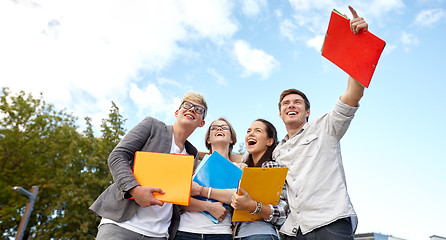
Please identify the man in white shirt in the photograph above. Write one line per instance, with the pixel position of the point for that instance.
(320, 207)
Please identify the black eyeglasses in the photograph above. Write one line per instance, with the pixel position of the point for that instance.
(216, 127)
(197, 108)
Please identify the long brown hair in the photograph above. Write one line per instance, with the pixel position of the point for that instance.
(268, 155)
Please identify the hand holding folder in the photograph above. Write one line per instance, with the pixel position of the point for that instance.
(356, 54)
(263, 185)
(145, 196)
(172, 173)
(217, 172)
(241, 199)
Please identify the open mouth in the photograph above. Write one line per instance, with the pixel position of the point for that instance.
(292, 113)
(189, 116)
(251, 142)
(219, 134)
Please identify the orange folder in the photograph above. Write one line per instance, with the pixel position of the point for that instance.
(263, 185)
(170, 172)
(356, 54)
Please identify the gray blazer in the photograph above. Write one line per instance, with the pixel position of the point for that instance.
(150, 135)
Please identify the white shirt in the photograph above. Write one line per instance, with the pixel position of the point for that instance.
(316, 185)
(197, 222)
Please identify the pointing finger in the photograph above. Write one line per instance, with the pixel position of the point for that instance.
(355, 15)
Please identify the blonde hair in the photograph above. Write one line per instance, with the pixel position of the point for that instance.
(196, 97)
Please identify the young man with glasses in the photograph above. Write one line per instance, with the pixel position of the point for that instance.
(145, 217)
(320, 207)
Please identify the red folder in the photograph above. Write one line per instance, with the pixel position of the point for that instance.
(356, 54)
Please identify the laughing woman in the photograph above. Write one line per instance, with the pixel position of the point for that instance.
(221, 138)
(260, 141)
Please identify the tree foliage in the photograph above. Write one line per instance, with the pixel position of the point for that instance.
(42, 147)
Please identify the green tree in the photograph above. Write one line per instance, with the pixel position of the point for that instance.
(241, 149)
(36, 149)
(97, 176)
(41, 146)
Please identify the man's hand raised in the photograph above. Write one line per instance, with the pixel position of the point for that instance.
(357, 23)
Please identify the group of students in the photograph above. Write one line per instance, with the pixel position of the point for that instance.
(261, 139)
(314, 203)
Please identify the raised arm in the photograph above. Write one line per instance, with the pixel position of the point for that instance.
(354, 90)
(353, 93)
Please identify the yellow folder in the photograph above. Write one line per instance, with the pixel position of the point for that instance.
(263, 185)
(170, 172)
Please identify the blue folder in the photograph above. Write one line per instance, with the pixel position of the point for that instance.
(217, 172)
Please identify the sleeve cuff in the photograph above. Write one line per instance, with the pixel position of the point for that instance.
(271, 214)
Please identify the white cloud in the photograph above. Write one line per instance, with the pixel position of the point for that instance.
(150, 97)
(306, 5)
(278, 13)
(252, 8)
(152, 101)
(288, 29)
(427, 18)
(166, 81)
(311, 18)
(389, 49)
(221, 81)
(312, 15)
(378, 8)
(408, 40)
(89, 52)
(254, 60)
(316, 42)
(210, 19)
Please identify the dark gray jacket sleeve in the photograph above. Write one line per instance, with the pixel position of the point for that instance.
(121, 158)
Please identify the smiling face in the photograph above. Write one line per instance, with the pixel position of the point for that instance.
(219, 133)
(257, 140)
(293, 112)
(189, 117)
(223, 136)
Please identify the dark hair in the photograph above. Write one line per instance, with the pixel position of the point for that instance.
(231, 129)
(268, 155)
(294, 91)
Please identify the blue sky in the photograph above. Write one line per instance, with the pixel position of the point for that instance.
(144, 55)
